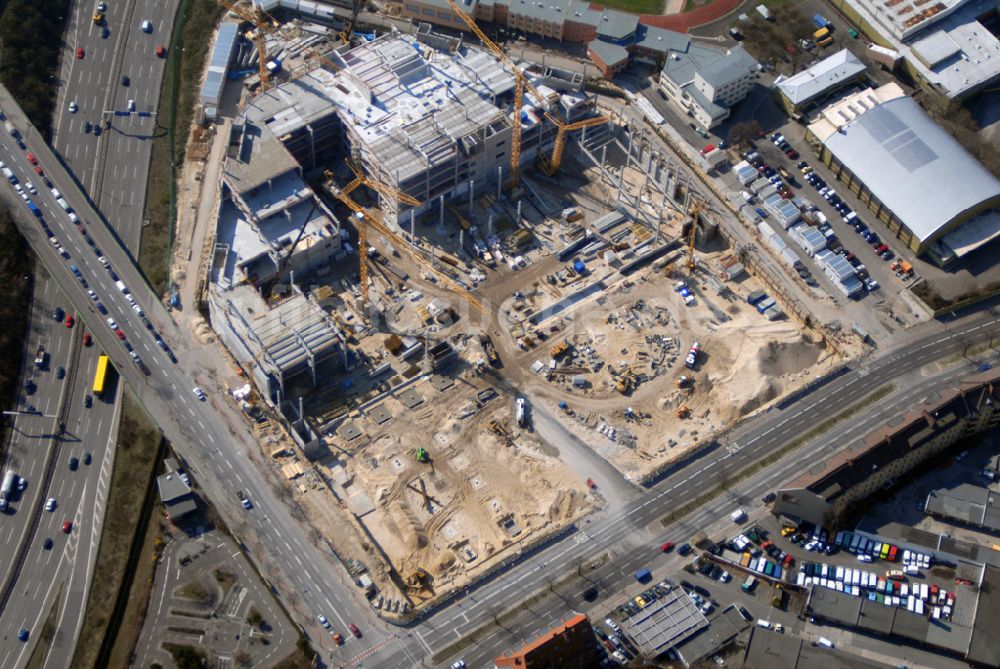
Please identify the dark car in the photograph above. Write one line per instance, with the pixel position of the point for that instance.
(684, 549)
(73, 464)
(60, 373)
(125, 80)
(58, 314)
(87, 458)
(22, 635)
(47, 544)
(768, 498)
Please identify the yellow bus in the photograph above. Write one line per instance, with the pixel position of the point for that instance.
(101, 375)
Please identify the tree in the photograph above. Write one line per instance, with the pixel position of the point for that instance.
(742, 134)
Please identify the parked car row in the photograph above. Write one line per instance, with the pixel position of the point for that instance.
(890, 590)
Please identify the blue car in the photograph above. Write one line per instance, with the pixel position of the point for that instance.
(760, 212)
(23, 634)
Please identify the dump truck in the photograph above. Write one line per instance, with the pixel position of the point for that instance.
(489, 350)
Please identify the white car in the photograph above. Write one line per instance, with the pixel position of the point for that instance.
(611, 623)
(112, 324)
(460, 664)
(864, 558)
(31, 188)
(199, 393)
(323, 621)
(725, 577)
(101, 6)
(131, 105)
(92, 295)
(51, 504)
(73, 107)
(146, 26)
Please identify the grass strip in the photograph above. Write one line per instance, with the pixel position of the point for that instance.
(138, 449)
(776, 455)
(192, 36)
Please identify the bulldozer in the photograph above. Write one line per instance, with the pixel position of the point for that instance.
(682, 412)
(422, 455)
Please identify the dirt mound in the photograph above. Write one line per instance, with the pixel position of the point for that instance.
(407, 527)
(778, 358)
(564, 506)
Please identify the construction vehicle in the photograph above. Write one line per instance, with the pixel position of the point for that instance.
(418, 579)
(559, 349)
(626, 381)
(501, 432)
(422, 455)
(685, 382)
(683, 412)
(489, 350)
(98, 18)
(263, 23)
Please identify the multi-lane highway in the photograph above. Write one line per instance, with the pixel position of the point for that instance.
(113, 166)
(213, 437)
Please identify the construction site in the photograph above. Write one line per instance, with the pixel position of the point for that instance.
(416, 240)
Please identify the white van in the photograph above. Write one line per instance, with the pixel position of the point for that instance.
(63, 203)
(738, 516)
(122, 287)
(8, 175)
(766, 624)
(823, 641)
(747, 196)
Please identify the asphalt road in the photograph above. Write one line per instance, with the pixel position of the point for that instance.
(212, 436)
(630, 536)
(118, 183)
(214, 439)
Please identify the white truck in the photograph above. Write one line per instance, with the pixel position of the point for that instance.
(9, 481)
(521, 412)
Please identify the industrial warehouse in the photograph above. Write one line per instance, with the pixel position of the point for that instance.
(918, 180)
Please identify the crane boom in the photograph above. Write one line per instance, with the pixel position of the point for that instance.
(520, 83)
(256, 18)
(550, 165)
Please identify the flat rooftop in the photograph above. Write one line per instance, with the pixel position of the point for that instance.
(255, 156)
(664, 623)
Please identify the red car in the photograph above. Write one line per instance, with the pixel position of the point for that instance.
(79, 53)
(67, 526)
(69, 320)
(881, 248)
(87, 339)
(120, 334)
(667, 547)
(792, 153)
(31, 158)
(161, 50)
(787, 562)
(338, 639)
(38, 170)
(354, 630)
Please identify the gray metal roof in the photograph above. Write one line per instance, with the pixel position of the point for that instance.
(662, 40)
(684, 63)
(824, 76)
(728, 67)
(913, 166)
(609, 53)
(222, 52)
(616, 25)
(171, 487)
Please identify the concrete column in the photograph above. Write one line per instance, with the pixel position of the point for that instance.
(413, 237)
(472, 194)
(604, 155)
(519, 212)
(441, 229)
(499, 181)
(489, 227)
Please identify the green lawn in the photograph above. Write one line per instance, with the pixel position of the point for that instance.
(636, 6)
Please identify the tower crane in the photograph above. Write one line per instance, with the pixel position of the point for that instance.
(520, 83)
(262, 23)
(549, 166)
(365, 217)
(695, 211)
